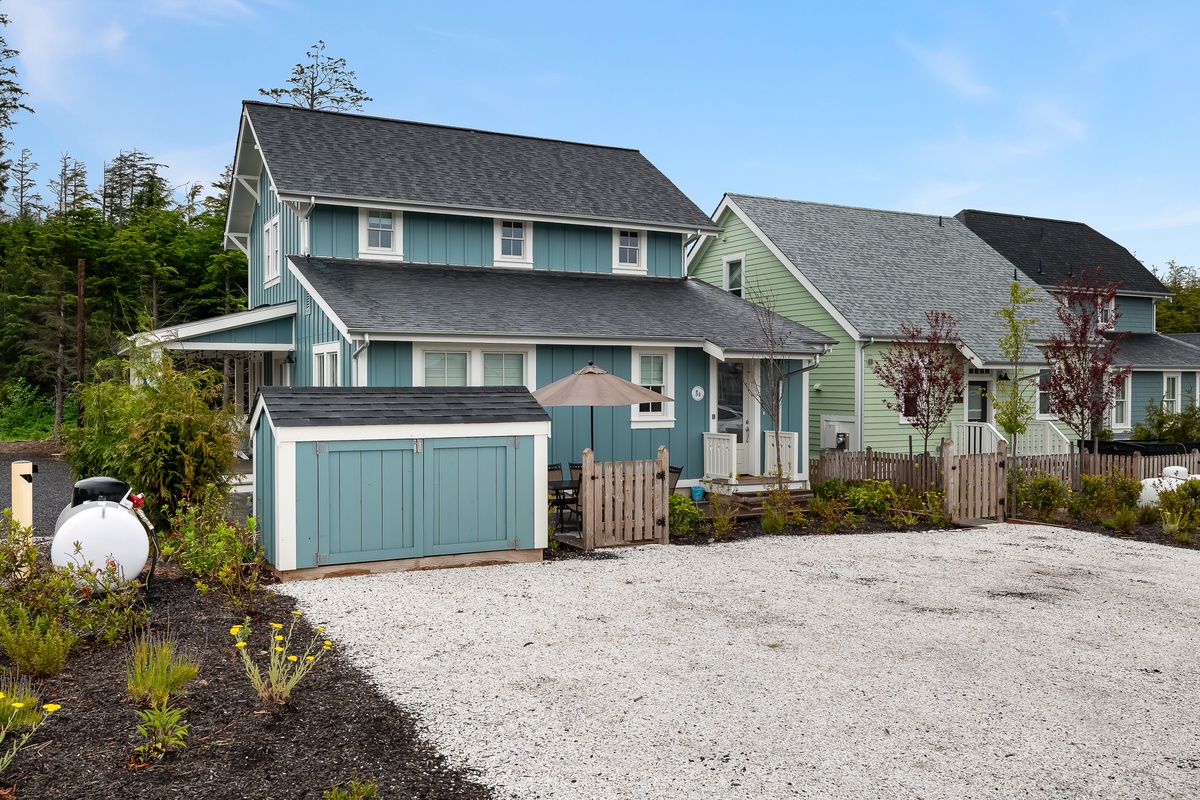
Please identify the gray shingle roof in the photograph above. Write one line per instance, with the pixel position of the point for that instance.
(880, 269)
(405, 298)
(1158, 351)
(293, 407)
(1050, 250)
(331, 154)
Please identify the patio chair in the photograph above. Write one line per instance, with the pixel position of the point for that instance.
(572, 502)
(673, 474)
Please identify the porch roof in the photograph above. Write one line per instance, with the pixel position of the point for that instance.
(421, 300)
(264, 329)
(1157, 351)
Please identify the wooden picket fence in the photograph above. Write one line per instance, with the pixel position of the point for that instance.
(624, 502)
(976, 484)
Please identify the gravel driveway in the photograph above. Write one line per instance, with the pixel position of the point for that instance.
(1010, 661)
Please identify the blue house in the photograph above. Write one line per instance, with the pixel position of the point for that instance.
(1166, 368)
(386, 253)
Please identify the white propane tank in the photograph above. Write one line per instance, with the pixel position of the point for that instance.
(1171, 478)
(103, 530)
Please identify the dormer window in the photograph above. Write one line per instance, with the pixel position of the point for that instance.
(379, 230)
(628, 251)
(735, 273)
(514, 242)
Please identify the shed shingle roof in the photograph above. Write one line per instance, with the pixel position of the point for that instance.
(881, 269)
(1050, 250)
(294, 407)
(332, 154)
(405, 298)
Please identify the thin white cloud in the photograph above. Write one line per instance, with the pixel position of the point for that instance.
(948, 66)
(202, 12)
(53, 38)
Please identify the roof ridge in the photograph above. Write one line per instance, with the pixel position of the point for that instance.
(840, 205)
(1027, 217)
(442, 126)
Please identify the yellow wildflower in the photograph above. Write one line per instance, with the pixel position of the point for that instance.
(279, 638)
(309, 658)
(320, 629)
(276, 625)
(327, 647)
(295, 613)
(328, 643)
(50, 708)
(240, 644)
(278, 649)
(18, 705)
(235, 630)
(291, 658)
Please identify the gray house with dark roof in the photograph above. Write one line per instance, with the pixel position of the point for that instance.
(1166, 370)
(392, 253)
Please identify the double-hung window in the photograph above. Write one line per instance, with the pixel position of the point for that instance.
(654, 370)
(271, 255)
(1120, 410)
(1170, 399)
(1043, 395)
(379, 230)
(514, 243)
(473, 365)
(379, 234)
(325, 365)
(629, 251)
(735, 273)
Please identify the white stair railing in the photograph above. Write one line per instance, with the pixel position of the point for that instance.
(789, 448)
(720, 456)
(975, 437)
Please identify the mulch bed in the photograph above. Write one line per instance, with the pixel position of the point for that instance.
(337, 727)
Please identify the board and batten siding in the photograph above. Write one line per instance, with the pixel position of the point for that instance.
(264, 482)
(572, 248)
(313, 327)
(1137, 314)
(615, 439)
(274, 331)
(390, 364)
(289, 244)
(835, 375)
(448, 239)
(333, 231)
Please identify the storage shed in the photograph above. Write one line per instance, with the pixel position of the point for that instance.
(389, 478)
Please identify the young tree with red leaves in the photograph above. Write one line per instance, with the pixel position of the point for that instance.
(1081, 382)
(924, 370)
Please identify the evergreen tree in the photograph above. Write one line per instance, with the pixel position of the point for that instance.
(321, 83)
(11, 101)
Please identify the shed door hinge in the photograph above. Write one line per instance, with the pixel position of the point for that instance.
(514, 442)
(319, 447)
(322, 559)
(417, 444)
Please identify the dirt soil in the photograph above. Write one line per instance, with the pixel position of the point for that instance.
(337, 727)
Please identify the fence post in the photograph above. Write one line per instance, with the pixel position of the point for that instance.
(870, 464)
(588, 500)
(950, 472)
(662, 504)
(1137, 467)
(1001, 475)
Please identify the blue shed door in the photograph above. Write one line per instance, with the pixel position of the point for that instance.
(365, 504)
(391, 499)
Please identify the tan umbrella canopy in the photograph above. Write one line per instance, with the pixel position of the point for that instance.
(592, 386)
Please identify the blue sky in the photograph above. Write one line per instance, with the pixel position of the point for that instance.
(1073, 110)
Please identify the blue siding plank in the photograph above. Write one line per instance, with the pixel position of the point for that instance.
(308, 505)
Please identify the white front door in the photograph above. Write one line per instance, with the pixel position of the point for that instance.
(736, 409)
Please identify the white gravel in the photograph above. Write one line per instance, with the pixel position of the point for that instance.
(1011, 661)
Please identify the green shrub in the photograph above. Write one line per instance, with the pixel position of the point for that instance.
(1147, 515)
(168, 435)
(1046, 494)
(722, 513)
(829, 488)
(1181, 505)
(24, 413)
(38, 645)
(213, 550)
(1126, 491)
(684, 516)
(155, 669)
(163, 729)
(1125, 519)
(833, 513)
(355, 790)
(1094, 500)
(872, 497)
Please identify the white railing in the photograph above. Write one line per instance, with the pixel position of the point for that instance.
(974, 437)
(720, 455)
(1042, 439)
(789, 453)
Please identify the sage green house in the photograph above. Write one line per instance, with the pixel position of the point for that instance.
(856, 275)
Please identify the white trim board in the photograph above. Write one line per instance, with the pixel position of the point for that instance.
(381, 433)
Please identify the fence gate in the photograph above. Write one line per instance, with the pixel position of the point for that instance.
(976, 485)
(624, 502)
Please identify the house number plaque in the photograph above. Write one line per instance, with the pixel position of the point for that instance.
(697, 392)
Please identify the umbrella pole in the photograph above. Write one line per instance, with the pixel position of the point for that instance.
(593, 408)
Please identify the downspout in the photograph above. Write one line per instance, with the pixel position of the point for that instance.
(860, 380)
(366, 342)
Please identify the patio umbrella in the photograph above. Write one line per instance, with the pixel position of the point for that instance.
(592, 386)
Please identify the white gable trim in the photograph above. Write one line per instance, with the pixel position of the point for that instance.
(382, 433)
(727, 203)
(320, 301)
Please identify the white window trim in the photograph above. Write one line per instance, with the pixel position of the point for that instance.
(982, 376)
(642, 420)
(499, 260)
(393, 253)
(725, 272)
(1178, 398)
(475, 353)
(629, 269)
(1128, 403)
(321, 350)
(272, 253)
(1037, 399)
